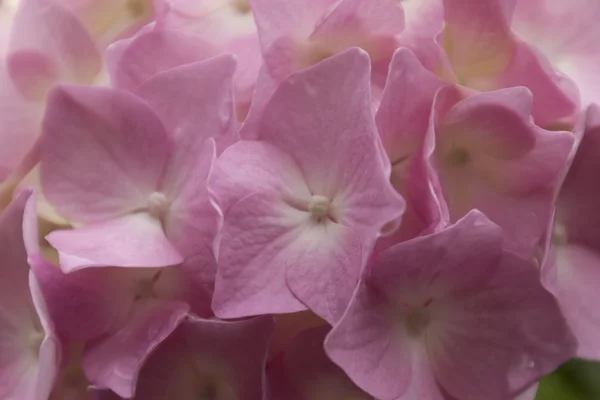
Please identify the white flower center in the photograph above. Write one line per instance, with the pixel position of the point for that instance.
(158, 204)
(319, 206)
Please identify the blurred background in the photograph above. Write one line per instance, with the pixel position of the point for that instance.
(576, 380)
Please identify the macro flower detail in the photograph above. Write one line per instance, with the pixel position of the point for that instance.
(299, 199)
(306, 201)
(147, 209)
(421, 319)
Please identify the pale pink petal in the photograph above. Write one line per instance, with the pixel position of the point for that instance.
(115, 361)
(195, 102)
(323, 268)
(250, 166)
(375, 26)
(21, 120)
(573, 49)
(260, 234)
(103, 152)
(477, 37)
(293, 18)
(132, 61)
(49, 44)
(134, 240)
(553, 95)
(423, 384)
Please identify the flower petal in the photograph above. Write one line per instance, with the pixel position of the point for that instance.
(132, 61)
(134, 240)
(257, 241)
(103, 152)
(115, 361)
(49, 44)
(195, 102)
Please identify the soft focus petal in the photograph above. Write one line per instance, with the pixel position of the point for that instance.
(303, 372)
(48, 44)
(132, 61)
(115, 361)
(195, 102)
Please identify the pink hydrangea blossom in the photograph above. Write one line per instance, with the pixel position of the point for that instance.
(303, 204)
(430, 311)
(296, 199)
(156, 210)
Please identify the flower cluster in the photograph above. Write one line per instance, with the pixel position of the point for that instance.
(297, 199)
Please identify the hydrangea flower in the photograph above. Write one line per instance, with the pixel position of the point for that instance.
(430, 311)
(305, 203)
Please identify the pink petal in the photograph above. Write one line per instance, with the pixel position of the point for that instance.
(195, 102)
(552, 99)
(260, 235)
(403, 116)
(132, 61)
(501, 319)
(103, 152)
(367, 346)
(193, 221)
(24, 319)
(473, 240)
(306, 119)
(574, 280)
(226, 357)
(477, 36)
(50, 357)
(49, 44)
(423, 384)
(572, 50)
(356, 21)
(303, 372)
(287, 18)
(501, 172)
(403, 123)
(115, 361)
(99, 291)
(134, 240)
(323, 268)
(250, 166)
(20, 126)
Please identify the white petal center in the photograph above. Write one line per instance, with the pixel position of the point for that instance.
(158, 204)
(319, 206)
